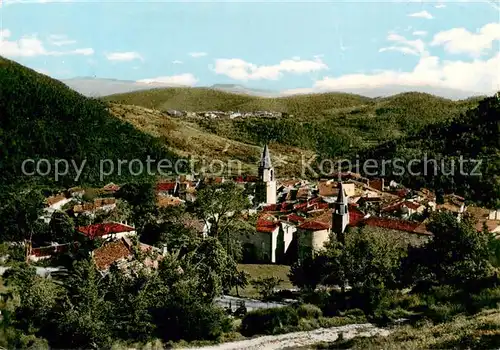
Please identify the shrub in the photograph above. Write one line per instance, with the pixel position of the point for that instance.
(354, 313)
(269, 321)
(444, 312)
(309, 311)
(488, 298)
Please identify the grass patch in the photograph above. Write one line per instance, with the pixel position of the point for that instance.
(262, 271)
(480, 331)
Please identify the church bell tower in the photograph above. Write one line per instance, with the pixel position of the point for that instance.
(266, 176)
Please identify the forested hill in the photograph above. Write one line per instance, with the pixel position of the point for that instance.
(41, 118)
(330, 124)
(473, 137)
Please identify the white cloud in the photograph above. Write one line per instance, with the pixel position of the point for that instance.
(177, 62)
(420, 33)
(60, 40)
(239, 69)
(410, 47)
(124, 56)
(460, 40)
(30, 46)
(421, 14)
(440, 6)
(477, 76)
(186, 79)
(197, 54)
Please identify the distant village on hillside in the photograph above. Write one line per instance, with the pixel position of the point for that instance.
(295, 217)
(226, 115)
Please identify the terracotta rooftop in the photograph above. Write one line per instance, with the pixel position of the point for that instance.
(320, 222)
(52, 250)
(112, 252)
(393, 224)
(355, 216)
(111, 187)
(99, 230)
(55, 199)
(328, 188)
(293, 218)
(97, 204)
(166, 201)
(490, 224)
(165, 186)
(266, 223)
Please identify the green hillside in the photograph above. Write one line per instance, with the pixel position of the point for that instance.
(473, 137)
(330, 124)
(188, 139)
(205, 99)
(41, 118)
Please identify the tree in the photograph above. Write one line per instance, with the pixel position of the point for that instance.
(61, 228)
(142, 199)
(220, 205)
(372, 262)
(310, 272)
(240, 281)
(20, 216)
(457, 254)
(84, 322)
(172, 228)
(216, 268)
(266, 286)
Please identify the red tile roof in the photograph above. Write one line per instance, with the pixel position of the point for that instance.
(271, 207)
(266, 223)
(411, 205)
(293, 218)
(355, 216)
(52, 250)
(112, 252)
(165, 186)
(393, 224)
(321, 222)
(111, 187)
(99, 230)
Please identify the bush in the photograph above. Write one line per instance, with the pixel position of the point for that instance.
(309, 311)
(444, 312)
(488, 298)
(354, 313)
(269, 321)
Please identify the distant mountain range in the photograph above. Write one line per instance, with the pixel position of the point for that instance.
(95, 87)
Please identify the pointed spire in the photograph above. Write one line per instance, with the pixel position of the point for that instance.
(341, 198)
(265, 159)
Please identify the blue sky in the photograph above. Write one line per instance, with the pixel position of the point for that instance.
(287, 46)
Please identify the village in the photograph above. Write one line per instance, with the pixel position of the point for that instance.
(226, 115)
(294, 218)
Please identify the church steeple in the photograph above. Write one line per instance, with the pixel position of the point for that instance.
(265, 159)
(340, 216)
(266, 176)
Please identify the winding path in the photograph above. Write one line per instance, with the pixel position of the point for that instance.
(300, 339)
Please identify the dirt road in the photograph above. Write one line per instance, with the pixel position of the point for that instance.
(300, 339)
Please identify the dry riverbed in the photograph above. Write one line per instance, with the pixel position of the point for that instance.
(301, 339)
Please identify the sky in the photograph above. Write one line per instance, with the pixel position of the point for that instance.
(287, 46)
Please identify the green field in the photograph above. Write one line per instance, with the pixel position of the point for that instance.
(262, 271)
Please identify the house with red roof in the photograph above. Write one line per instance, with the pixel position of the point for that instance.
(121, 252)
(48, 252)
(108, 230)
(404, 209)
(272, 239)
(168, 188)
